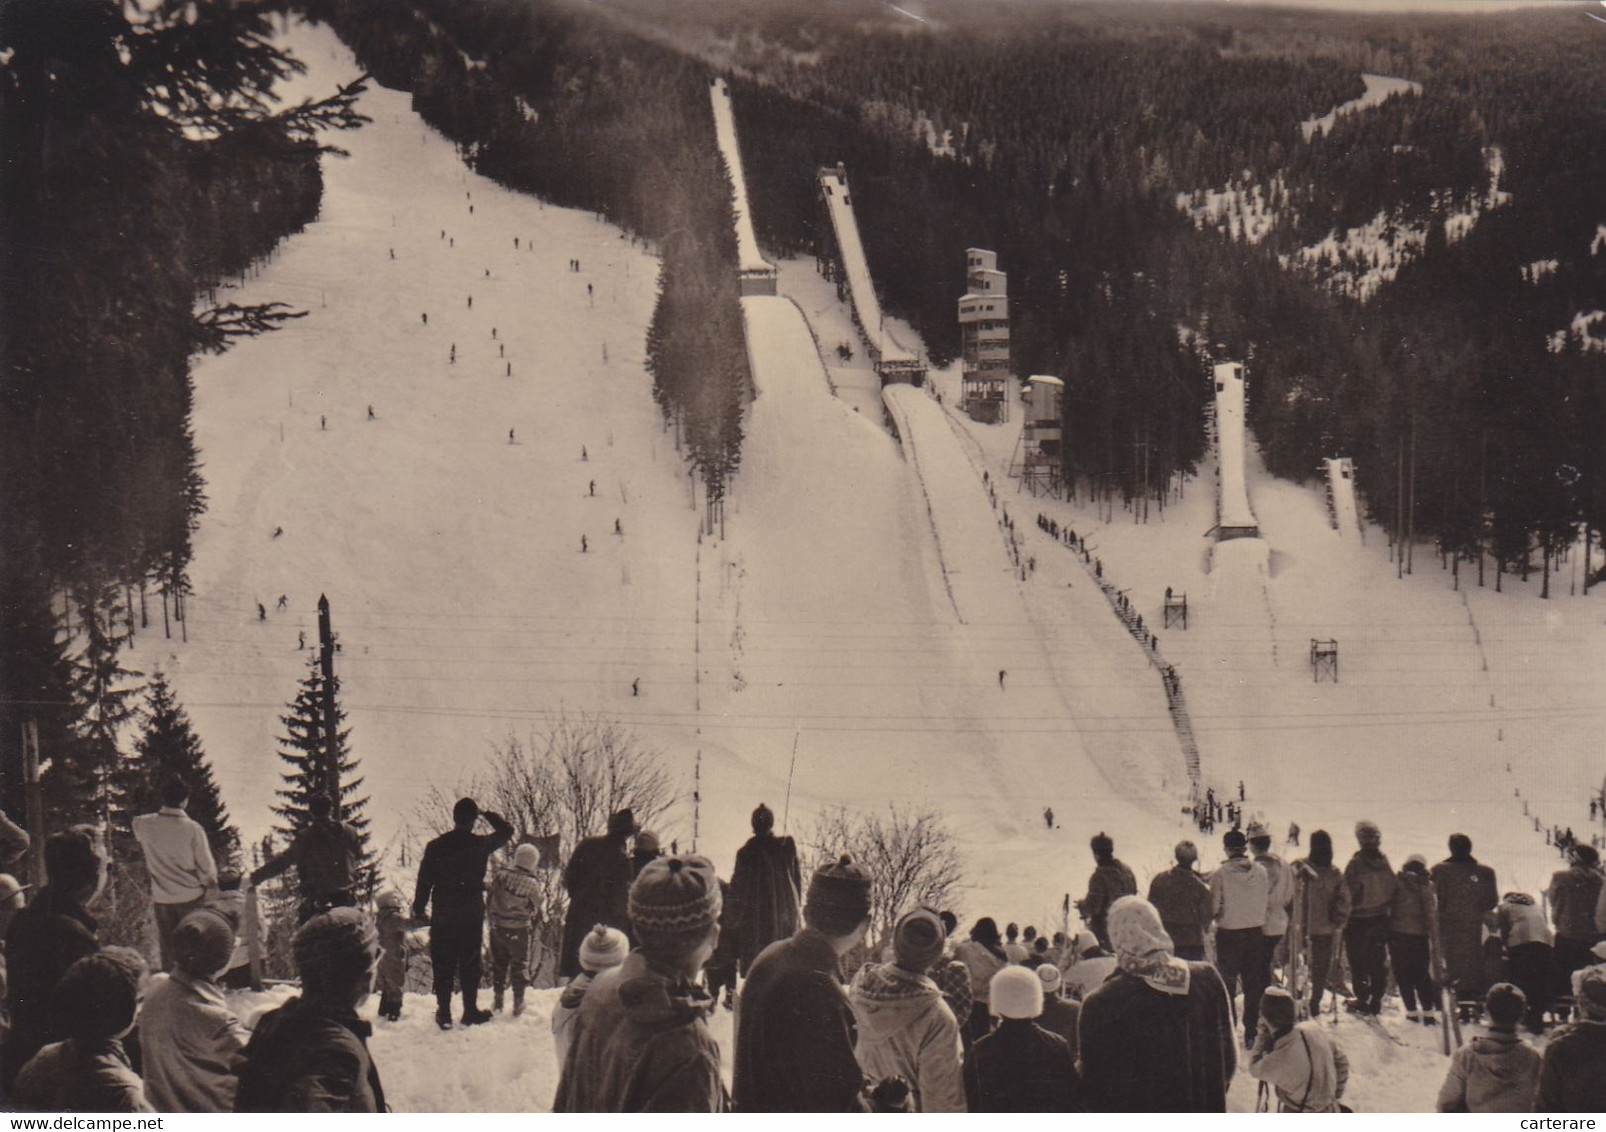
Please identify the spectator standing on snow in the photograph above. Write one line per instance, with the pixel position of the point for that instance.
(325, 853)
(646, 849)
(983, 957)
(1302, 1063)
(1467, 893)
(603, 949)
(951, 975)
(1157, 1036)
(1574, 892)
(794, 1040)
(1014, 950)
(1020, 1067)
(1520, 924)
(1327, 905)
(1183, 900)
(392, 924)
(1090, 966)
(905, 1028)
(89, 1070)
(451, 883)
(515, 900)
(48, 936)
(190, 1041)
(1496, 1071)
(1239, 889)
(765, 889)
(1060, 1015)
(179, 862)
(311, 1054)
(641, 1040)
(1572, 1076)
(1279, 897)
(1409, 930)
(598, 881)
(1110, 881)
(1371, 883)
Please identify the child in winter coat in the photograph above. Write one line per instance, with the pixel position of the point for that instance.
(1497, 1071)
(515, 900)
(94, 1004)
(392, 923)
(602, 948)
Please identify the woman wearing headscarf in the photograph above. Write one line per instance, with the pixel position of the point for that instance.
(1157, 1036)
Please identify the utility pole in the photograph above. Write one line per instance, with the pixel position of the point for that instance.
(331, 734)
(36, 803)
(1410, 530)
(1399, 509)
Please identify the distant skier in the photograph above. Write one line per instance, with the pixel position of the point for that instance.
(493, 333)
(501, 350)
(301, 640)
(593, 487)
(510, 369)
(1001, 675)
(471, 302)
(1168, 593)
(425, 317)
(277, 531)
(590, 294)
(1293, 833)
(617, 529)
(284, 602)
(584, 546)
(583, 456)
(392, 253)
(262, 612)
(323, 423)
(370, 412)
(515, 243)
(487, 273)
(635, 686)
(452, 358)
(1048, 816)
(510, 436)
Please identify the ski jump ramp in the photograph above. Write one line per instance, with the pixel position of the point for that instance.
(756, 273)
(1341, 490)
(1234, 518)
(892, 360)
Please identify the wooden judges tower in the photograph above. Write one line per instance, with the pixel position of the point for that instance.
(1323, 661)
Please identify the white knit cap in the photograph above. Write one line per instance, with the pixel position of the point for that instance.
(1016, 992)
(526, 858)
(603, 947)
(1049, 976)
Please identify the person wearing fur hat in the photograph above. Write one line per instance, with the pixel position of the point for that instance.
(95, 1004)
(190, 1040)
(392, 924)
(1060, 1015)
(1572, 1076)
(647, 848)
(1326, 901)
(1302, 1063)
(311, 1054)
(515, 900)
(1372, 883)
(1240, 889)
(1183, 900)
(597, 879)
(1020, 1067)
(1466, 892)
(641, 1040)
(451, 883)
(983, 957)
(766, 889)
(1110, 881)
(794, 1036)
(603, 949)
(1157, 1036)
(905, 1028)
(1574, 892)
(1409, 930)
(1496, 1071)
(1519, 923)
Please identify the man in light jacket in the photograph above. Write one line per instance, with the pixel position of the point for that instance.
(1240, 890)
(179, 860)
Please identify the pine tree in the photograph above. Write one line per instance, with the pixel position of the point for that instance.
(168, 747)
(302, 748)
(92, 780)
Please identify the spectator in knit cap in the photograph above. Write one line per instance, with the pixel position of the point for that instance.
(1110, 881)
(641, 1040)
(1020, 1067)
(311, 1054)
(597, 880)
(905, 1028)
(1371, 882)
(190, 1040)
(95, 1002)
(1157, 1036)
(1572, 1076)
(794, 1039)
(647, 848)
(52, 933)
(1183, 900)
(1302, 1063)
(766, 889)
(1574, 893)
(392, 923)
(603, 949)
(451, 883)
(515, 900)
(1496, 1071)
(1060, 1015)
(179, 862)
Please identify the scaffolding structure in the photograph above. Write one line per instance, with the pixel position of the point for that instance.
(1039, 456)
(1323, 661)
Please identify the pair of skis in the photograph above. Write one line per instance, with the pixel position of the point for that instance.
(1447, 999)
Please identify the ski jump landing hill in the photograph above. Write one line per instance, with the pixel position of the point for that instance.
(892, 360)
(757, 274)
(1341, 495)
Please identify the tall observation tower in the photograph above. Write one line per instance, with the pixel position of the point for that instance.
(984, 338)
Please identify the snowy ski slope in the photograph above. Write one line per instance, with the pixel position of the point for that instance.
(861, 287)
(1341, 485)
(749, 258)
(1234, 516)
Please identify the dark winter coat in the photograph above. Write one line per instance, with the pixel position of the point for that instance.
(1147, 1051)
(1466, 891)
(1063, 1016)
(640, 1043)
(70, 1077)
(326, 855)
(764, 895)
(51, 934)
(1495, 1072)
(796, 1032)
(1327, 899)
(640, 859)
(1183, 900)
(1572, 1077)
(1573, 893)
(598, 881)
(452, 874)
(309, 1056)
(1371, 883)
(1021, 1067)
(1109, 882)
(1409, 912)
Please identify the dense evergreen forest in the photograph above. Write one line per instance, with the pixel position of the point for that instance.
(1074, 130)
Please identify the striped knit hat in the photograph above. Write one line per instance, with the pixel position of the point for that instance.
(603, 947)
(674, 902)
(839, 897)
